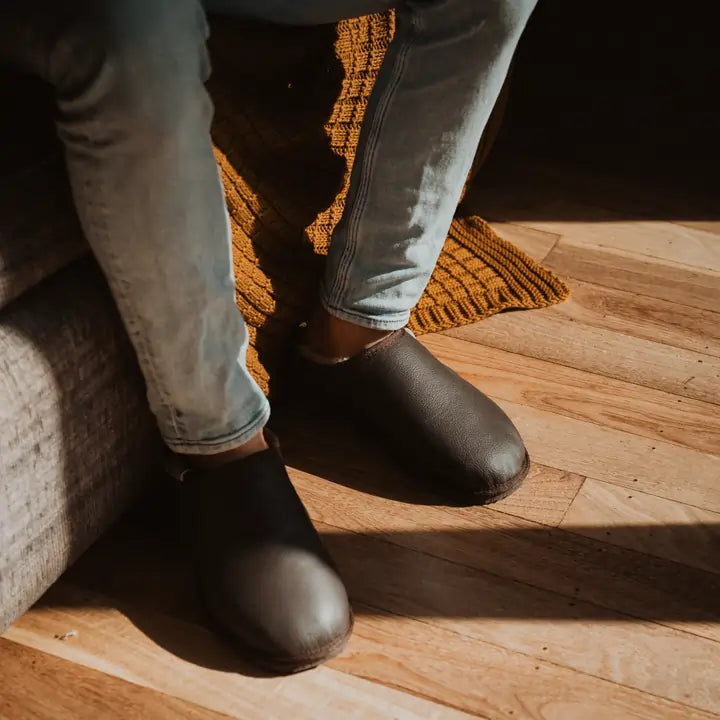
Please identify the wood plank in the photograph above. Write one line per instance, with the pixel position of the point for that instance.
(39, 686)
(476, 677)
(514, 615)
(547, 206)
(569, 565)
(582, 395)
(544, 497)
(497, 604)
(640, 522)
(547, 335)
(189, 662)
(525, 619)
(339, 454)
(709, 226)
(654, 241)
(652, 466)
(536, 243)
(485, 539)
(677, 284)
(631, 197)
(665, 322)
(489, 680)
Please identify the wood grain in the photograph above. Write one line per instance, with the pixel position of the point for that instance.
(546, 335)
(536, 243)
(544, 497)
(211, 674)
(39, 686)
(547, 204)
(477, 678)
(640, 316)
(591, 594)
(652, 241)
(672, 283)
(640, 522)
(709, 226)
(653, 466)
(530, 621)
(572, 566)
(581, 395)
(412, 583)
(125, 564)
(490, 681)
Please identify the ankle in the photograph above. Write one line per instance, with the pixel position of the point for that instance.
(333, 338)
(255, 444)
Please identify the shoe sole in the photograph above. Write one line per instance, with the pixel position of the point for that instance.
(274, 664)
(292, 665)
(485, 498)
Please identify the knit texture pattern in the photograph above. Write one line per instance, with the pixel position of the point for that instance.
(289, 107)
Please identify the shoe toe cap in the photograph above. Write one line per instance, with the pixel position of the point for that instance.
(504, 466)
(493, 465)
(291, 609)
(306, 613)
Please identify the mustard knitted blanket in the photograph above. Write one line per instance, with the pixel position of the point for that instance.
(289, 105)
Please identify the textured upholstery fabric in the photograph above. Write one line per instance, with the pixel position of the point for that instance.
(76, 438)
(38, 231)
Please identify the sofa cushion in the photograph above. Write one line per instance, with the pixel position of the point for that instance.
(39, 231)
(76, 438)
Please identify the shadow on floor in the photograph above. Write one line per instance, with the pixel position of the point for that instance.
(143, 568)
(406, 573)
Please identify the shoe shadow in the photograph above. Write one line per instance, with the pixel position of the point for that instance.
(341, 451)
(531, 573)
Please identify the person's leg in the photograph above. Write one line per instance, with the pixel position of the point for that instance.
(435, 91)
(299, 12)
(134, 118)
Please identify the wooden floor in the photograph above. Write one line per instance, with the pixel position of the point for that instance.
(591, 594)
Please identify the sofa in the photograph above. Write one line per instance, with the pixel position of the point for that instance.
(77, 442)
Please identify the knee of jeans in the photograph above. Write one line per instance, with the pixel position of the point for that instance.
(509, 16)
(133, 61)
(500, 19)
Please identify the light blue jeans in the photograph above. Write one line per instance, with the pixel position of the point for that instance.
(134, 117)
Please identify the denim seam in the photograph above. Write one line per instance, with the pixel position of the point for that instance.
(339, 286)
(349, 253)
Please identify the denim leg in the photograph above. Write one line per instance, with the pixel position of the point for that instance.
(436, 89)
(299, 12)
(134, 118)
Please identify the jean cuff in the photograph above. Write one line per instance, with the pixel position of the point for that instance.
(225, 442)
(374, 322)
